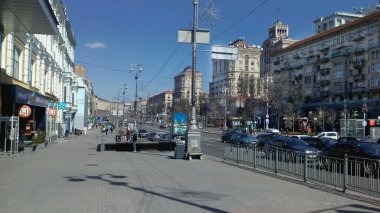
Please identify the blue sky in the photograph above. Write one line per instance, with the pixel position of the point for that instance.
(112, 35)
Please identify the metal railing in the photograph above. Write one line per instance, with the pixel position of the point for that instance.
(356, 174)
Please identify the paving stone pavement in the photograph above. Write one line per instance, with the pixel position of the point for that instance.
(71, 176)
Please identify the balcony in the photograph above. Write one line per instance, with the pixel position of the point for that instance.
(359, 64)
(358, 37)
(324, 82)
(356, 89)
(340, 54)
(323, 60)
(276, 62)
(359, 50)
(324, 48)
(324, 93)
(358, 77)
(337, 91)
(373, 45)
(324, 71)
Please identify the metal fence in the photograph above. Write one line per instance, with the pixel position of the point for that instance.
(356, 174)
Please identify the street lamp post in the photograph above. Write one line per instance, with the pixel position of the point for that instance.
(225, 90)
(137, 68)
(124, 89)
(267, 80)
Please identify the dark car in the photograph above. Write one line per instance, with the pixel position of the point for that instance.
(142, 133)
(358, 154)
(264, 138)
(295, 145)
(228, 134)
(151, 135)
(352, 149)
(319, 143)
(244, 138)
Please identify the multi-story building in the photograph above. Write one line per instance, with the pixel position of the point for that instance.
(36, 61)
(238, 75)
(340, 65)
(182, 85)
(161, 104)
(336, 19)
(278, 38)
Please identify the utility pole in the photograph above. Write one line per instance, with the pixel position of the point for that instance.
(137, 68)
(124, 89)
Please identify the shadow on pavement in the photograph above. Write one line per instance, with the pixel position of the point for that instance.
(198, 194)
(339, 209)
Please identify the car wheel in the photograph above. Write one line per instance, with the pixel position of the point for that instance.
(370, 166)
(290, 156)
(324, 163)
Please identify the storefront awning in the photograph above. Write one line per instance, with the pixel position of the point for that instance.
(27, 16)
(21, 95)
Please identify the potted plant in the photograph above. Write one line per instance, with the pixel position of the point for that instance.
(39, 139)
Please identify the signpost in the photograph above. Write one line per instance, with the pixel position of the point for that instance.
(24, 111)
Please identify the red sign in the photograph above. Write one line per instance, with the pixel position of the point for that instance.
(372, 122)
(24, 111)
(51, 112)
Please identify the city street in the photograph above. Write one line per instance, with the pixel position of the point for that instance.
(72, 176)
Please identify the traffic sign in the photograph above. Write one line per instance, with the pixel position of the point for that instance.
(24, 111)
(51, 112)
(62, 105)
(364, 108)
(364, 123)
(267, 116)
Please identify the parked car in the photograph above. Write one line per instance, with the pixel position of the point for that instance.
(333, 135)
(318, 143)
(299, 136)
(227, 134)
(265, 137)
(272, 130)
(162, 137)
(142, 133)
(151, 135)
(179, 139)
(163, 125)
(244, 138)
(295, 145)
(358, 154)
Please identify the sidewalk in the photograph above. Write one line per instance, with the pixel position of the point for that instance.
(71, 176)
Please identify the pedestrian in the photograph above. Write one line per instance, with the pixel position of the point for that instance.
(134, 139)
(85, 130)
(111, 128)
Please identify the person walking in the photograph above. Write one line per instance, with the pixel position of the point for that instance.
(134, 139)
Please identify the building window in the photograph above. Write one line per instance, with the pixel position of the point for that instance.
(338, 22)
(307, 79)
(376, 81)
(16, 62)
(375, 54)
(338, 74)
(370, 30)
(338, 63)
(375, 67)
(341, 39)
(337, 86)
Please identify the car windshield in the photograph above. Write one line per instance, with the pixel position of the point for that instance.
(295, 142)
(369, 148)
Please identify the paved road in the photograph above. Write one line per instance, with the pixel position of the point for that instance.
(72, 177)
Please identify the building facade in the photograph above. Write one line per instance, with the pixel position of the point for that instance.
(237, 76)
(338, 68)
(182, 85)
(34, 68)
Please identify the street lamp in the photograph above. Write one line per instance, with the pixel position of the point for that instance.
(267, 80)
(225, 90)
(124, 89)
(137, 68)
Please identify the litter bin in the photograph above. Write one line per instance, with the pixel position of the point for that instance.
(179, 151)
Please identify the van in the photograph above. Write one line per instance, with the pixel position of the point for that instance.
(332, 135)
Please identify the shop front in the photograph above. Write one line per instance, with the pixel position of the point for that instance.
(29, 105)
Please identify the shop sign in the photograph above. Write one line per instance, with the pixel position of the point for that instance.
(28, 97)
(374, 123)
(24, 111)
(51, 112)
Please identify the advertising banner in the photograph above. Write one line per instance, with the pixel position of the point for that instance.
(179, 126)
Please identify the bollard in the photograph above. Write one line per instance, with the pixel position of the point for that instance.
(345, 172)
(276, 162)
(305, 168)
(254, 157)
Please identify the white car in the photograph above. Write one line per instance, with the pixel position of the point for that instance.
(179, 139)
(332, 135)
